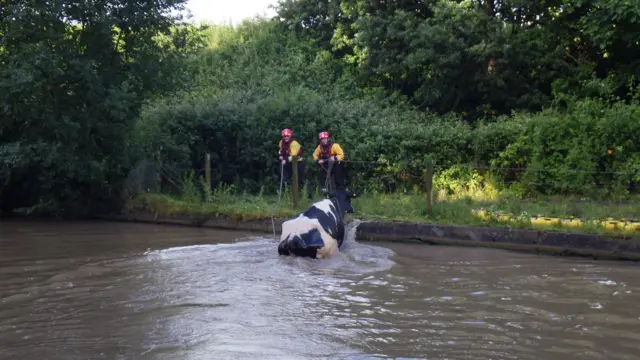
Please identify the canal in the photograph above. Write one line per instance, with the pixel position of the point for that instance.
(104, 290)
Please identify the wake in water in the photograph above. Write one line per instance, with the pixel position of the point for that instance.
(246, 288)
(353, 258)
(76, 292)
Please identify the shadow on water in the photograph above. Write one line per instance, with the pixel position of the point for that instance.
(123, 291)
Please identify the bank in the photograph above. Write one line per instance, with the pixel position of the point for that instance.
(566, 242)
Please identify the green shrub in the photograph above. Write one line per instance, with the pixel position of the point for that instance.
(259, 79)
(589, 149)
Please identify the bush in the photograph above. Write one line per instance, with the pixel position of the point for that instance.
(260, 79)
(589, 149)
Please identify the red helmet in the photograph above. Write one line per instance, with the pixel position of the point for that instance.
(286, 132)
(324, 135)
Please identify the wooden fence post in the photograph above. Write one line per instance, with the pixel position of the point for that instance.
(294, 184)
(207, 169)
(159, 171)
(428, 184)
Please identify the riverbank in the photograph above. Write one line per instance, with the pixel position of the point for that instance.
(589, 217)
(543, 242)
(382, 221)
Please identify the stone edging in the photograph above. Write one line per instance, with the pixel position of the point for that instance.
(557, 243)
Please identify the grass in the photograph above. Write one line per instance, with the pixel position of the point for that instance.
(451, 209)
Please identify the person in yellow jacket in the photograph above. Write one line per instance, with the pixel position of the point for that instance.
(290, 147)
(326, 152)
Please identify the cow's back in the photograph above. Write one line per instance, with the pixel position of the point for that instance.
(303, 234)
(328, 218)
(297, 225)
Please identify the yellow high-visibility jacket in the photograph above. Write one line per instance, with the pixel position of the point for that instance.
(293, 148)
(325, 152)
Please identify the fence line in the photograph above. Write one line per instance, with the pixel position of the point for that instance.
(206, 171)
(471, 166)
(484, 167)
(425, 178)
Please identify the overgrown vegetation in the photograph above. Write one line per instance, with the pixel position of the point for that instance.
(511, 100)
(410, 206)
(261, 78)
(73, 76)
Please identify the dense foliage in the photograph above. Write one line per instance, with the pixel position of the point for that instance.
(479, 57)
(260, 78)
(547, 91)
(73, 75)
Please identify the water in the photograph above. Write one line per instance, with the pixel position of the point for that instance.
(95, 290)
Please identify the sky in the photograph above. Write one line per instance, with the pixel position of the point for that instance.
(226, 11)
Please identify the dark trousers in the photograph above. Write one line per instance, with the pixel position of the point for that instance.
(337, 172)
(287, 174)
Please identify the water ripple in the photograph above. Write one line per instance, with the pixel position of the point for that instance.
(148, 292)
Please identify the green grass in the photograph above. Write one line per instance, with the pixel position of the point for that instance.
(449, 209)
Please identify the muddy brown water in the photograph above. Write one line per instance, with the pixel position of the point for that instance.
(100, 290)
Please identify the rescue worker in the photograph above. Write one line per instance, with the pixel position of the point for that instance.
(326, 152)
(290, 147)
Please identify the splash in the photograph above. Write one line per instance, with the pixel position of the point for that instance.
(358, 258)
(353, 257)
(350, 232)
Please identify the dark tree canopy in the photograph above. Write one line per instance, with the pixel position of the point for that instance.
(90, 88)
(480, 58)
(73, 75)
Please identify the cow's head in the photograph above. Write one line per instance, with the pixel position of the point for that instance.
(343, 198)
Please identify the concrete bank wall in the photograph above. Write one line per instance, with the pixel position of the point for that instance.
(557, 243)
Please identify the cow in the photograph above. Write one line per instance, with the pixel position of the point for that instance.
(318, 232)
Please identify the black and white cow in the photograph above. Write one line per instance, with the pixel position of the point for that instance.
(319, 231)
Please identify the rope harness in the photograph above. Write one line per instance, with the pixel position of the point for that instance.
(273, 225)
(327, 183)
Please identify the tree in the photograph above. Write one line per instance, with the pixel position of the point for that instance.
(73, 76)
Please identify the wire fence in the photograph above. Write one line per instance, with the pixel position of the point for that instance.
(518, 190)
(443, 193)
(156, 177)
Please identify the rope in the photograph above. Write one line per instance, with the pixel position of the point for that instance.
(273, 224)
(471, 166)
(365, 162)
(327, 183)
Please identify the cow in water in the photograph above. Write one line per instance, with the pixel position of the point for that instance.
(319, 231)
